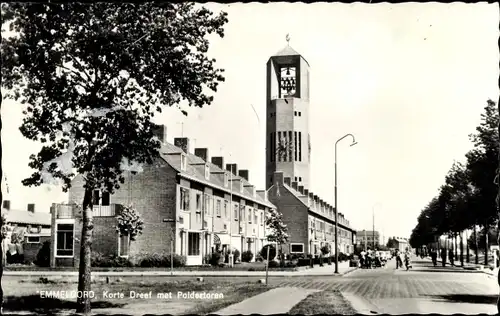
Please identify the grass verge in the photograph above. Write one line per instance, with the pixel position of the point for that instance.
(27, 298)
(324, 302)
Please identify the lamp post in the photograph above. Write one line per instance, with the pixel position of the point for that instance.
(336, 207)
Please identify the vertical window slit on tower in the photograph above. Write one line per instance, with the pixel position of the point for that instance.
(300, 146)
(295, 147)
(290, 144)
(279, 144)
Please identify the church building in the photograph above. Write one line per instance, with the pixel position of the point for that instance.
(310, 220)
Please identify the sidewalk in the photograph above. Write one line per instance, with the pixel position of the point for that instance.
(275, 301)
(327, 270)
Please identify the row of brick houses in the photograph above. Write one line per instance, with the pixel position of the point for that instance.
(188, 198)
(310, 220)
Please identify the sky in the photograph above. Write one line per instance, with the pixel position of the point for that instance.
(408, 80)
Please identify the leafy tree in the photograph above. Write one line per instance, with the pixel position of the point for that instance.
(279, 230)
(391, 243)
(92, 76)
(129, 223)
(3, 235)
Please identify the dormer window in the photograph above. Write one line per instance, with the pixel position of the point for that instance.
(183, 162)
(226, 179)
(207, 171)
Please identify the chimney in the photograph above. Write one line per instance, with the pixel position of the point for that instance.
(278, 177)
(160, 131)
(311, 195)
(287, 181)
(182, 143)
(294, 185)
(301, 189)
(219, 161)
(306, 192)
(31, 208)
(243, 174)
(202, 153)
(6, 205)
(233, 168)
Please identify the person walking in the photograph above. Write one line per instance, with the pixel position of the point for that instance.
(434, 257)
(451, 255)
(443, 257)
(399, 261)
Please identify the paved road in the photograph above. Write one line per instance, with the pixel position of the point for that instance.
(423, 289)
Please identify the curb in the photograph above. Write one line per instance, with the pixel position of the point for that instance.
(359, 304)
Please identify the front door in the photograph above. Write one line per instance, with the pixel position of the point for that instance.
(194, 256)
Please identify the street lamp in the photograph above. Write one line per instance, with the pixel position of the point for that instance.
(336, 208)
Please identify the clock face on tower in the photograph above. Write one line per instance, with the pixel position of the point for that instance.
(288, 82)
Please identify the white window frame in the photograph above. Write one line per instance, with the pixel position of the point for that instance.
(33, 242)
(119, 246)
(70, 222)
(295, 244)
(183, 162)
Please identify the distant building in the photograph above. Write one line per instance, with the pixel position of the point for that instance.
(367, 239)
(34, 225)
(401, 243)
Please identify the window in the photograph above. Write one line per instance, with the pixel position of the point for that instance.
(295, 179)
(184, 199)
(95, 197)
(198, 203)
(105, 199)
(279, 154)
(193, 244)
(300, 113)
(198, 217)
(290, 144)
(250, 216)
(255, 217)
(295, 147)
(295, 113)
(207, 171)
(300, 146)
(226, 179)
(183, 162)
(208, 205)
(217, 208)
(64, 240)
(235, 212)
(296, 248)
(261, 218)
(226, 214)
(242, 212)
(33, 239)
(124, 242)
(300, 179)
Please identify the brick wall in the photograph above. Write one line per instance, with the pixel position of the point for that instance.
(295, 216)
(153, 194)
(31, 249)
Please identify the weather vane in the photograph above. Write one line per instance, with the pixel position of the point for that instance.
(288, 39)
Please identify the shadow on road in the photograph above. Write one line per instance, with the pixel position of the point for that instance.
(467, 298)
(37, 304)
(445, 269)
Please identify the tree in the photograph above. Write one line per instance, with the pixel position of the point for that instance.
(392, 243)
(3, 235)
(91, 78)
(279, 230)
(129, 223)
